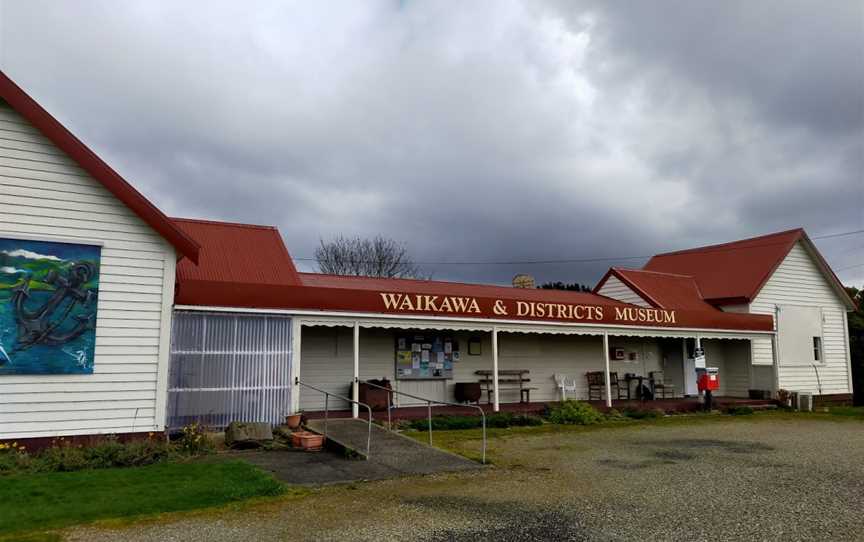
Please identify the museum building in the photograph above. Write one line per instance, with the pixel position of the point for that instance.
(115, 318)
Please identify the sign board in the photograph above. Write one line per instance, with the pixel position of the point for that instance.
(699, 358)
(429, 356)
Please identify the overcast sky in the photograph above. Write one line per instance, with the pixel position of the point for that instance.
(471, 131)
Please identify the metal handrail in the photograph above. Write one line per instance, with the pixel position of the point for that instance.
(327, 395)
(429, 412)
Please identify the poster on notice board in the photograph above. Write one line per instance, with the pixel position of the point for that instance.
(426, 356)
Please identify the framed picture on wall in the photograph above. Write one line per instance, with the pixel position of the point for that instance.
(48, 303)
(474, 347)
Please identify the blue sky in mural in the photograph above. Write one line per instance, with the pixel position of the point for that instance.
(48, 294)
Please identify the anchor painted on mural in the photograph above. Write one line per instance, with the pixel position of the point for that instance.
(42, 325)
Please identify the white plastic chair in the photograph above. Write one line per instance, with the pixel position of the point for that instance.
(565, 384)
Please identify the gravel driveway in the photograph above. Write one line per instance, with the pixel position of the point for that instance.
(759, 478)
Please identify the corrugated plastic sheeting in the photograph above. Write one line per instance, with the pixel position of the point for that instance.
(229, 367)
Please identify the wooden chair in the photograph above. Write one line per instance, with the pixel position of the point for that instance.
(659, 386)
(596, 385)
(617, 389)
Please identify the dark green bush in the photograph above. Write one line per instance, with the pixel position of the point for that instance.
(501, 420)
(575, 413)
(13, 457)
(638, 414)
(60, 458)
(109, 452)
(105, 454)
(739, 410)
(506, 419)
(615, 415)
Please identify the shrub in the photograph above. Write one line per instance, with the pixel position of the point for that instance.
(194, 441)
(637, 414)
(447, 423)
(109, 452)
(574, 412)
(13, 457)
(743, 410)
(104, 454)
(61, 457)
(500, 420)
(615, 415)
(145, 452)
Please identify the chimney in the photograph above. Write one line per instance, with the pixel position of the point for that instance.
(523, 280)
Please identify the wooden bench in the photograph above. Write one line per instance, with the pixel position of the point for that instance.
(513, 379)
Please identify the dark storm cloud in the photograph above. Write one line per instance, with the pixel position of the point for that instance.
(496, 131)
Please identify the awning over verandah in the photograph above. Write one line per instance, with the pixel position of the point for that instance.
(495, 329)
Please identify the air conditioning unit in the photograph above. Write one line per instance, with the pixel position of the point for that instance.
(802, 401)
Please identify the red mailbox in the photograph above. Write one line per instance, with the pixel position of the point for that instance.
(708, 379)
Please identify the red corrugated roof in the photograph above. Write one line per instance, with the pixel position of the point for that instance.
(730, 272)
(236, 254)
(27, 107)
(249, 267)
(662, 290)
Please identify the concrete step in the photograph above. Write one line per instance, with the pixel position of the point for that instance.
(392, 450)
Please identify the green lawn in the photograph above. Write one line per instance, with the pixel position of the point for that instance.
(851, 412)
(58, 499)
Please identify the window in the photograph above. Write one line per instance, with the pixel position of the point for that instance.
(817, 348)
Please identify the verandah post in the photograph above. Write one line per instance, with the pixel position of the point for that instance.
(607, 379)
(495, 405)
(296, 334)
(355, 388)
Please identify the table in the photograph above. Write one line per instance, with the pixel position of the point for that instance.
(513, 379)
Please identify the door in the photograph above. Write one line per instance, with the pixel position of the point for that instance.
(673, 363)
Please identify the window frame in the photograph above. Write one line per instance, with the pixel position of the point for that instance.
(818, 349)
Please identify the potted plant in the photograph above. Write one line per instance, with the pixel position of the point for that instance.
(293, 420)
(312, 442)
(297, 438)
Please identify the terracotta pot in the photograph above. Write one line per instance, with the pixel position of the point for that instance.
(293, 421)
(312, 442)
(297, 438)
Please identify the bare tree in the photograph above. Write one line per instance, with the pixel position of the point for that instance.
(376, 257)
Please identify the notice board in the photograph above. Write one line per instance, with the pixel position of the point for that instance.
(426, 356)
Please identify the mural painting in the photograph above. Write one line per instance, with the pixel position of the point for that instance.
(48, 294)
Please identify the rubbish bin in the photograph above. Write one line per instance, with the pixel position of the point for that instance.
(468, 392)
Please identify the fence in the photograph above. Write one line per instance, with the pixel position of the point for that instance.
(229, 367)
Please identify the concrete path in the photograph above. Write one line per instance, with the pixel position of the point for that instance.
(398, 453)
(392, 455)
(326, 467)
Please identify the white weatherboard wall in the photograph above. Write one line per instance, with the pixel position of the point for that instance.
(46, 196)
(616, 289)
(327, 362)
(798, 282)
